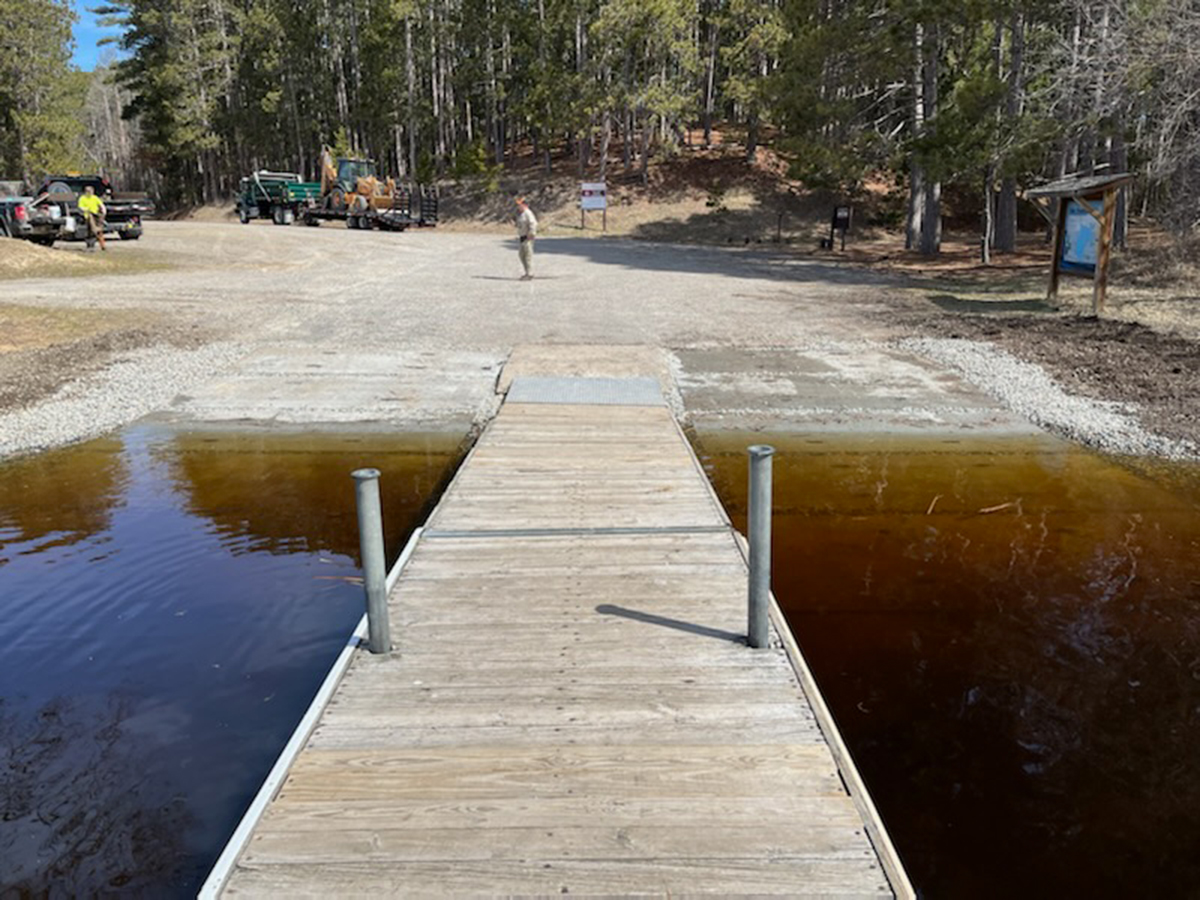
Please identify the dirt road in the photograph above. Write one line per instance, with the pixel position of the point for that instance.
(328, 325)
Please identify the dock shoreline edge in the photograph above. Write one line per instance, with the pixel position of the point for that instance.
(223, 868)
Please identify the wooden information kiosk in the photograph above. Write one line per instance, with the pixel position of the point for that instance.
(1083, 210)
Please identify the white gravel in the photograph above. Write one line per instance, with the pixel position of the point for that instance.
(141, 382)
(1030, 392)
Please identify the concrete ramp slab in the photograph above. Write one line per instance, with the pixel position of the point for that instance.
(587, 391)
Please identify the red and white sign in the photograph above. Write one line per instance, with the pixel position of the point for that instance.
(593, 195)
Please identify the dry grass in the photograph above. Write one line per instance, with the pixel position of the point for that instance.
(1154, 282)
(21, 259)
(37, 327)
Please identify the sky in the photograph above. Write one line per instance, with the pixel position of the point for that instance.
(87, 32)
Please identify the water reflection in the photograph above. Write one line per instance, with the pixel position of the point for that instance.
(1008, 636)
(289, 493)
(169, 605)
(75, 491)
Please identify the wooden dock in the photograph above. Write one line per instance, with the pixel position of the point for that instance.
(571, 706)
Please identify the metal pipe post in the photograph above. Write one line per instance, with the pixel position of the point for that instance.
(370, 540)
(758, 527)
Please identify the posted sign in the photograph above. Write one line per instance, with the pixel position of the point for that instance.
(593, 195)
(1081, 240)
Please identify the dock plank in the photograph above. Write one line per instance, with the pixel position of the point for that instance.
(570, 705)
(831, 879)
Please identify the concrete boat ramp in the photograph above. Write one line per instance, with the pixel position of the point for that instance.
(571, 706)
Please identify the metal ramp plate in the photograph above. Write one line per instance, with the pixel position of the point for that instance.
(587, 391)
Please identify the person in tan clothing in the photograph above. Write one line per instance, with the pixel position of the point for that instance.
(526, 233)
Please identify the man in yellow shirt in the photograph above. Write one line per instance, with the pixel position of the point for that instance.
(93, 210)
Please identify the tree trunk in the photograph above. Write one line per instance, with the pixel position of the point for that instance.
(493, 122)
(916, 171)
(931, 219)
(1006, 210)
(1118, 158)
(710, 82)
(410, 74)
(627, 140)
(751, 137)
(506, 68)
(645, 151)
(1006, 216)
(989, 220)
(606, 136)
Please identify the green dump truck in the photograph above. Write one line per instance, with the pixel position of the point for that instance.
(281, 197)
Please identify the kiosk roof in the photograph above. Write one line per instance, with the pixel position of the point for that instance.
(1080, 185)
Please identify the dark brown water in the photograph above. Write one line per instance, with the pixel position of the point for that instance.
(1008, 634)
(169, 604)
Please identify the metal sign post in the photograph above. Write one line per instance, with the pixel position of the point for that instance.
(840, 222)
(593, 195)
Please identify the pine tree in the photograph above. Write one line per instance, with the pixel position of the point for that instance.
(42, 95)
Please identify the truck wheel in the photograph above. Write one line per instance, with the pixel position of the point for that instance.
(44, 241)
(244, 215)
(289, 216)
(352, 222)
(277, 215)
(129, 235)
(311, 221)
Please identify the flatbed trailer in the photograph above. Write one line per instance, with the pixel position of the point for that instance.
(409, 206)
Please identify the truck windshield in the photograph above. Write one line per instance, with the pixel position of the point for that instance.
(350, 170)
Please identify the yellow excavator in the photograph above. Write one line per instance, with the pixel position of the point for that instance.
(351, 190)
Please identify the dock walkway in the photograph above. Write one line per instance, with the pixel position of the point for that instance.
(571, 707)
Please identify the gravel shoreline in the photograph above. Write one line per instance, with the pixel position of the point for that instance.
(1029, 391)
(139, 383)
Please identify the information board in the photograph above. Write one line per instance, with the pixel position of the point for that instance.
(593, 195)
(1081, 240)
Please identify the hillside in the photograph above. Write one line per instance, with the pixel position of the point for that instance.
(697, 196)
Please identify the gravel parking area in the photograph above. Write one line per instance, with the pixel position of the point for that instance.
(213, 294)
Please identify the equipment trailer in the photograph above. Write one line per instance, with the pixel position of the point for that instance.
(395, 212)
(351, 190)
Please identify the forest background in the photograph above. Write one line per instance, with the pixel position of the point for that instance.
(933, 98)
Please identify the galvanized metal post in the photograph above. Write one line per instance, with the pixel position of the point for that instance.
(758, 527)
(370, 540)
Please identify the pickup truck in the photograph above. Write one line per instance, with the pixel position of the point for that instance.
(125, 210)
(32, 218)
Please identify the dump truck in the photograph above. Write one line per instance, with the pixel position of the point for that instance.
(282, 197)
(351, 190)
